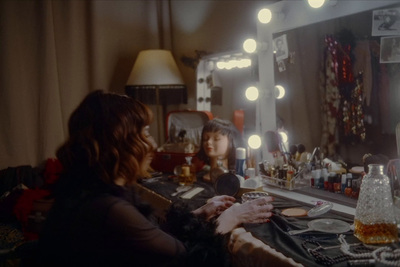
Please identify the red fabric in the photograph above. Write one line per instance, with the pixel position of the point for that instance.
(23, 207)
(52, 170)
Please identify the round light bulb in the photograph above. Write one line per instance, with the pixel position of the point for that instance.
(252, 93)
(254, 142)
(279, 91)
(284, 137)
(250, 45)
(220, 65)
(316, 3)
(264, 15)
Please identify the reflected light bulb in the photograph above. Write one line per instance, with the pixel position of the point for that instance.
(279, 91)
(284, 137)
(264, 15)
(220, 65)
(254, 142)
(252, 93)
(316, 3)
(250, 45)
(243, 63)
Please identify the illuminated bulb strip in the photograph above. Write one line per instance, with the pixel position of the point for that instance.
(234, 63)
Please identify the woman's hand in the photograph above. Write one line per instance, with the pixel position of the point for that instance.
(215, 206)
(254, 211)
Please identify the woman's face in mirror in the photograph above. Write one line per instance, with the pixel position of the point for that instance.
(215, 145)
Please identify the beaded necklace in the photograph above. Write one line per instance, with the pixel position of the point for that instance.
(363, 254)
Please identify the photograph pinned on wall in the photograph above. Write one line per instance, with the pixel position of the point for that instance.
(390, 49)
(280, 48)
(386, 22)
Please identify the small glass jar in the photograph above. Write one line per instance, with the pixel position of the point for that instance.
(374, 220)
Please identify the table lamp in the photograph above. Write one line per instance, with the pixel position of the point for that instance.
(155, 80)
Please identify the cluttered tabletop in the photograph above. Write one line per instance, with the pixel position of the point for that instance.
(310, 235)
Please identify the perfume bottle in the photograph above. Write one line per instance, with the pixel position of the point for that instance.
(187, 176)
(374, 220)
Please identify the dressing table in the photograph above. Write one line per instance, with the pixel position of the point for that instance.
(262, 244)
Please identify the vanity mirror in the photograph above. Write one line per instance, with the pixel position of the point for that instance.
(222, 80)
(338, 95)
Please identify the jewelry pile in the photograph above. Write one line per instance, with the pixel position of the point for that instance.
(361, 254)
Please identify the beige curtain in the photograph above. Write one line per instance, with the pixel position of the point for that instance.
(52, 54)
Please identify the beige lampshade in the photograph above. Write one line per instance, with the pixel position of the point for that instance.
(155, 79)
(155, 67)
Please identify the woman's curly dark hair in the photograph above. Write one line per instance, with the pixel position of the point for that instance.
(106, 139)
(223, 127)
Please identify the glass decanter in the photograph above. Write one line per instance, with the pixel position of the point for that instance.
(374, 220)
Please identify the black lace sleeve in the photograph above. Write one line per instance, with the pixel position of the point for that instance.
(204, 247)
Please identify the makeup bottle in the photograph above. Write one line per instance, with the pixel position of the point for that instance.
(325, 176)
(344, 184)
(348, 189)
(355, 187)
(331, 181)
(289, 177)
(337, 186)
(240, 166)
(319, 182)
(312, 180)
